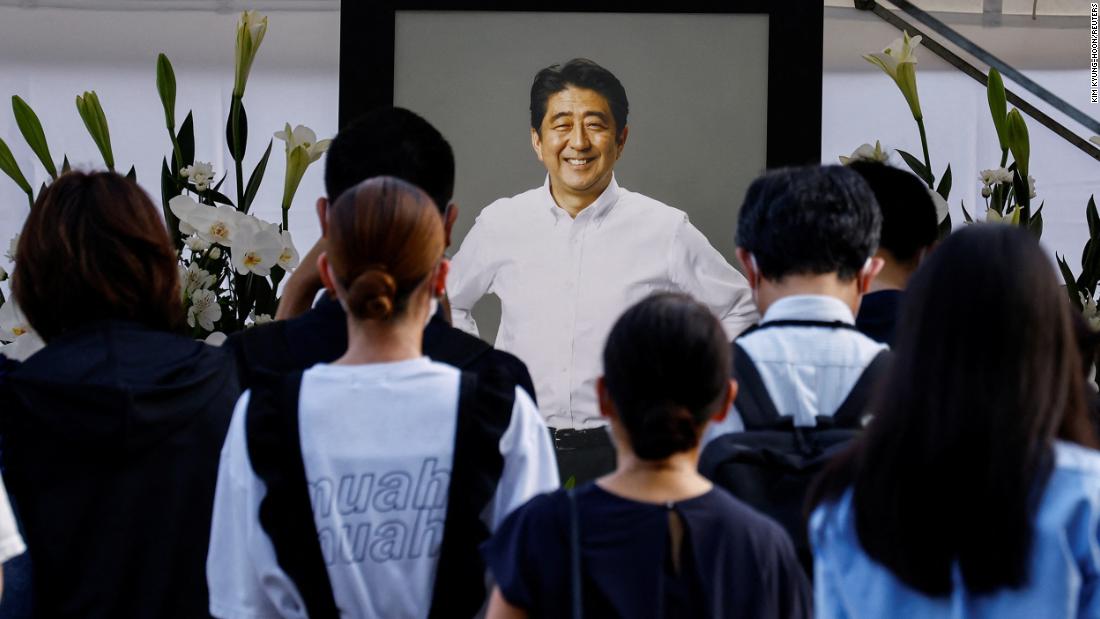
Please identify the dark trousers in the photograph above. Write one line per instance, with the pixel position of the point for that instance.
(583, 455)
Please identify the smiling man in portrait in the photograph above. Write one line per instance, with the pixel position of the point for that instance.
(567, 258)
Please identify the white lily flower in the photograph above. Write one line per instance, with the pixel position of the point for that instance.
(995, 176)
(251, 29)
(866, 152)
(200, 174)
(941, 205)
(1012, 217)
(303, 137)
(217, 338)
(1089, 311)
(23, 347)
(288, 259)
(258, 247)
(12, 322)
(195, 278)
(12, 245)
(899, 60)
(204, 310)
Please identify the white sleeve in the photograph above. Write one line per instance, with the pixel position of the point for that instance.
(11, 543)
(470, 277)
(530, 466)
(242, 573)
(697, 269)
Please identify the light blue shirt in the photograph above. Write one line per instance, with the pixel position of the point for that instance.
(1065, 559)
(808, 371)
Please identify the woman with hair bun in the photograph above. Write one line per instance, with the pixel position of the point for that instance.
(363, 487)
(654, 538)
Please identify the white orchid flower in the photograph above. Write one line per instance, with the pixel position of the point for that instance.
(12, 245)
(200, 174)
(195, 244)
(217, 338)
(941, 204)
(183, 207)
(288, 259)
(995, 176)
(1089, 311)
(211, 224)
(866, 152)
(23, 347)
(204, 310)
(195, 278)
(251, 28)
(258, 247)
(899, 60)
(13, 323)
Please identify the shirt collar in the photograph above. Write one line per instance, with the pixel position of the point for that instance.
(809, 307)
(597, 210)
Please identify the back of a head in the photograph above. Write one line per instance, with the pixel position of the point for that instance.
(578, 73)
(666, 367)
(986, 374)
(385, 238)
(95, 248)
(391, 141)
(809, 220)
(909, 221)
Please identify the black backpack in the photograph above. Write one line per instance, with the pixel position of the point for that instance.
(771, 464)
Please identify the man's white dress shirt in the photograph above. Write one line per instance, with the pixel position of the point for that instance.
(563, 282)
(808, 371)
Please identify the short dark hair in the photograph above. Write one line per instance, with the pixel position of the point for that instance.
(666, 367)
(578, 73)
(909, 222)
(809, 221)
(391, 141)
(95, 248)
(949, 470)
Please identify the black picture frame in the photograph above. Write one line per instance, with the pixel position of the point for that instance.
(795, 37)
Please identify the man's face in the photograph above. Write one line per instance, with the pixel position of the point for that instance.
(577, 143)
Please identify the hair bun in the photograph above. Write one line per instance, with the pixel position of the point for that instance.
(664, 429)
(371, 295)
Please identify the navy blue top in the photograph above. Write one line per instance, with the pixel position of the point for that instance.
(878, 315)
(734, 562)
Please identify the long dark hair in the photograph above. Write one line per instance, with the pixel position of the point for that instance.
(986, 375)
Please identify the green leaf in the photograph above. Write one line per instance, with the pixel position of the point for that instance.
(1018, 141)
(995, 93)
(966, 215)
(65, 167)
(255, 178)
(218, 198)
(944, 188)
(166, 88)
(264, 295)
(944, 228)
(1020, 190)
(132, 174)
(10, 166)
(236, 129)
(31, 129)
(917, 167)
(186, 139)
(570, 483)
(1092, 217)
(1035, 224)
(1071, 284)
(168, 190)
(91, 112)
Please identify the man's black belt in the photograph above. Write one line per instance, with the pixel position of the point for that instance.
(567, 438)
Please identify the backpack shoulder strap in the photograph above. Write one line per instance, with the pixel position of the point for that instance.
(754, 404)
(286, 513)
(484, 414)
(851, 411)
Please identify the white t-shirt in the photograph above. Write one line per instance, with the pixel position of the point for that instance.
(378, 445)
(11, 543)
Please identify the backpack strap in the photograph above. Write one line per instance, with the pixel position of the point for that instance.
(286, 512)
(484, 414)
(754, 404)
(823, 324)
(851, 411)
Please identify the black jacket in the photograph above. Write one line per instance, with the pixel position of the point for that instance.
(321, 336)
(111, 440)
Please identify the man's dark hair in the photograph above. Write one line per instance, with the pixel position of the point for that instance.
(666, 366)
(391, 141)
(947, 476)
(578, 73)
(909, 222)
(809, 221)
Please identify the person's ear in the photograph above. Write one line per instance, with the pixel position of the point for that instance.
(607, 407)
(869, 273)
(621, 141)
(324, 269)
(727, 401)
(536, 143)
(322, 214)
(751, 274)
(439, 282)
(450, 215)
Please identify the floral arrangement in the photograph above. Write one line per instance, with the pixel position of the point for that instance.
(230, 262)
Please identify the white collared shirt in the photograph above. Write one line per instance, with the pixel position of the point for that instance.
(808, 371)
(563, 282)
